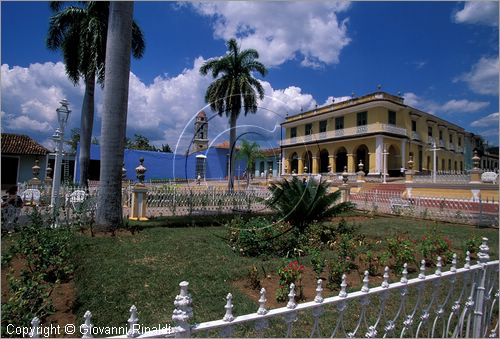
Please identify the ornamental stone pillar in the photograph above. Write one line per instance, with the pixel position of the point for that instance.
(138, 210)
(475, 173)
(409, 172)
(360, 175)
(35, 181)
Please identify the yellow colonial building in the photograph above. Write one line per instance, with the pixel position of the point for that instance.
(326, 139)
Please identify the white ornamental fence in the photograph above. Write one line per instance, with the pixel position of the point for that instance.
(172, 200)
(460, 302)
(475, 212)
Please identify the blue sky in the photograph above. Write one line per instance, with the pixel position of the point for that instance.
(441, 56)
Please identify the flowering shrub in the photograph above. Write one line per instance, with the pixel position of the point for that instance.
(291, 273)
(434, 245)
(402, 250)
(337, 268)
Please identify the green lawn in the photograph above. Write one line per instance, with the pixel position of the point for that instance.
(145, 268)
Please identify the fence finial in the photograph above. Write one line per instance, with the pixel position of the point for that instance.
(438, 266)
(404, 278)
(385, 283)
(319, 290)
(183, 311)
(365, 287)
(454, 263)
(291, 297)
(86, 328)
(229, 308)
(262, 302)
(467, 260)
(483, 255)
(132, 322)
(421, 275)
(343, 285)
(35, 328)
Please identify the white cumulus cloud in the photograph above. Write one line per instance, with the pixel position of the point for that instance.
(163, 110)
(451, 106)
(487, 121)
(483, 77)
(306, 30)
(478, 12)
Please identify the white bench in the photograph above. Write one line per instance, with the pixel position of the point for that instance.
(31, 196)
(398, 204)
(489, 177)
(76, 198)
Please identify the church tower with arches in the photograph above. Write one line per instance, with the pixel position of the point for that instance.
(200, 141)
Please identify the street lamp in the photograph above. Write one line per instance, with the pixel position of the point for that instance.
(58, 137)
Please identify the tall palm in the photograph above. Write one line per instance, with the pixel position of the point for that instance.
(234, 90)
(80, 33)
(114, 115)
(251, 152)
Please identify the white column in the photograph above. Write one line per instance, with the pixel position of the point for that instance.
(403, 153)
(379, 146)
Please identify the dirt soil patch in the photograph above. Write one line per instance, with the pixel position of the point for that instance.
(63, 296)
(309, 284)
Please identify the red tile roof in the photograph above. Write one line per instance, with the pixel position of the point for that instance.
(21, 144)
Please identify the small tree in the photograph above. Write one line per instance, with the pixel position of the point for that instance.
(300, 202)
(251, 152)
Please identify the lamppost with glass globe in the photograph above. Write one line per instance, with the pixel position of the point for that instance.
(62, 117)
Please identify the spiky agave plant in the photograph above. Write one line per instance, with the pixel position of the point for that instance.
(300, 202)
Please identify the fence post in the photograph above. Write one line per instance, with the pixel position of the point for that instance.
(483, 257)
(35, 328)
(183, 312)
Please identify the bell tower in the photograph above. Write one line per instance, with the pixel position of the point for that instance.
(200, 141)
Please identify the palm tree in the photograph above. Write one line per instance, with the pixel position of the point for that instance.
(114, 115)
(234, 89)
(300, 202)
(80, 33)
(251, 152)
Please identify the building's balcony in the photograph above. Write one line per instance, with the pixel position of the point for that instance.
(460, 149)
(346, 132)
(441, 144)
(430, 140)
(415, 136)
(451, 147)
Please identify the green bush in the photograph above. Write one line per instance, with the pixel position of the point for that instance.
(337, 268)
(402, 251)
(46, 254)
(433, 245)
(261, 236)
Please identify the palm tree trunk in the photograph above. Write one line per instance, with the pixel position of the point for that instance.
(114, 118)
(86, 124)
(232, 149)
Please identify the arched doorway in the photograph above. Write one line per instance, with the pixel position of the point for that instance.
(323, 161)
(341, 160)
(294, 163)
(362, 154)
(307, 159)
(393, 161)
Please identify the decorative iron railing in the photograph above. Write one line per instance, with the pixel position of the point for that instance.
(474, 211)
(350, 131)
